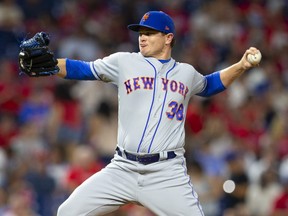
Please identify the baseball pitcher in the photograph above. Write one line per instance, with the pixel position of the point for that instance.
(149, 166)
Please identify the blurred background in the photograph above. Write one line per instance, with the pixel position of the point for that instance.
(55, 133)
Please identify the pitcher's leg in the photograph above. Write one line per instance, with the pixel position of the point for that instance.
(169, 191)
(174, 201)
(102, 193)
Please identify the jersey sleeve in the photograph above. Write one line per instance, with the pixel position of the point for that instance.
(198, 82)
(106, 69)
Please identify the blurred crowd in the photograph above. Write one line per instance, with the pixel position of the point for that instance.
(55, 133)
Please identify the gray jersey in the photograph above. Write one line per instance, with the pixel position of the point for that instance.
(155, 97)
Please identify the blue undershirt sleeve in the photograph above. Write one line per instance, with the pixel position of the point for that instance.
(78, 70)
(213, 86)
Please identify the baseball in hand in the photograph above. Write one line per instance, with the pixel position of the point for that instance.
(254, 59)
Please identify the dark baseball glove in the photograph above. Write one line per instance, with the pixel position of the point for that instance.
(35, 58)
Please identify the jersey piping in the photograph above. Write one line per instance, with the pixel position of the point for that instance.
(161, 111)
(94, 71)
(149, 115)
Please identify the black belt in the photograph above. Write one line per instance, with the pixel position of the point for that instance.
(145, 158)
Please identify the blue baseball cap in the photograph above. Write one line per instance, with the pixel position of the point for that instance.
(156, 20)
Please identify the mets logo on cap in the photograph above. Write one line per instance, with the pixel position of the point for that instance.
(145, 17)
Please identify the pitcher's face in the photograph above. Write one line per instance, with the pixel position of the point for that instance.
(153, 43)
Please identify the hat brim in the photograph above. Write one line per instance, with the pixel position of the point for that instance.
(136, 27)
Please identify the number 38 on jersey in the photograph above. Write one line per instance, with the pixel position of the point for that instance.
(176, 111)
